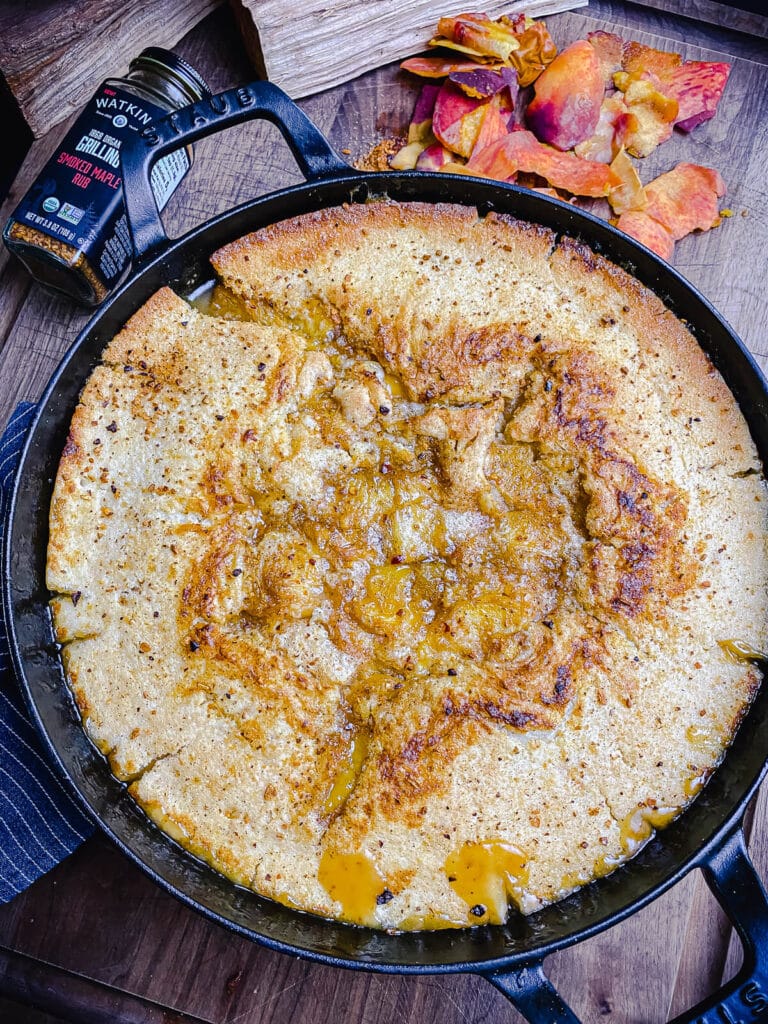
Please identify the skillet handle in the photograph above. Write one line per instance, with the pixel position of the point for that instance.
(313, 153)
(533, 994)
(735, 884)
(731, 876)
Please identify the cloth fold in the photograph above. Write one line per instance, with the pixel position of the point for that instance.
(40, 824)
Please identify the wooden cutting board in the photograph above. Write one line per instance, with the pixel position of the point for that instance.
(333, 41)
(54, 55)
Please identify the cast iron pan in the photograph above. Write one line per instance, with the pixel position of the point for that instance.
(708, 835)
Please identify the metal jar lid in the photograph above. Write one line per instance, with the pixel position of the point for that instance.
(167, 64)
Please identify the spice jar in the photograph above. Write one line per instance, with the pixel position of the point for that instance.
(70, 229)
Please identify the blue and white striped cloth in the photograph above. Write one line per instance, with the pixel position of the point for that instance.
(40, 824)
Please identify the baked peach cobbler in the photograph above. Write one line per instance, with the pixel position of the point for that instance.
(423, 580)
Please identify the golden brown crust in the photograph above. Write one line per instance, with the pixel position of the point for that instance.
(407, 243)
(441, 553)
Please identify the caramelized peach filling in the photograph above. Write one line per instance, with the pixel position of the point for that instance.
(487, 876)
(352, 879)
(400, 573)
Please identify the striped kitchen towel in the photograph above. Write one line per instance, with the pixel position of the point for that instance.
(40, 824)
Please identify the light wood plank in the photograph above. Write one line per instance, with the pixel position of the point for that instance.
(703, 952)
(55, 56)
(333, 41)
(756, 831)
(748, 42)
(716, 14)
(625, 974)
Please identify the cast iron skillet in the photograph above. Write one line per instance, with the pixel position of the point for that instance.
(708, 835)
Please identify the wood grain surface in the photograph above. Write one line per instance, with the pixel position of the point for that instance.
(333, 41)
(96, 915)
(719, 14)
(54, 55)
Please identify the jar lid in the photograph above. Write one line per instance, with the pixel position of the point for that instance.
(155, 58)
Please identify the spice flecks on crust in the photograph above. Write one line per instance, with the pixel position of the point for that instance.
(418, 577)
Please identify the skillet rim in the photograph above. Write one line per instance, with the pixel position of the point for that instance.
(494, 196)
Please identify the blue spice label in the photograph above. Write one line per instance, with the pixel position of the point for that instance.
(78, 196)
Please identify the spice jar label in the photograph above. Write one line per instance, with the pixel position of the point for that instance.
(77, 199)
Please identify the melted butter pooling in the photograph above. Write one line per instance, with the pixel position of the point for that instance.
(741, 650)
(216, 300)
(353, 880)
(347, 774)
(636, 829)
(487, 876)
